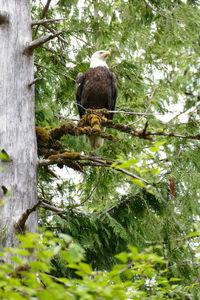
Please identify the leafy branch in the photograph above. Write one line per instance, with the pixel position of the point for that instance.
(63, 159)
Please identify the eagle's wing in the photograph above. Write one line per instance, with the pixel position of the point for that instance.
(78, 91)
(114, 94)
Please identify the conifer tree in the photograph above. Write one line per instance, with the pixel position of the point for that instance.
(143, 189)
(154, 49)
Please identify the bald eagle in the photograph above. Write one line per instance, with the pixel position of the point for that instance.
(97, 88)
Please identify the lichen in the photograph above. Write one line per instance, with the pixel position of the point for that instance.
(68, 155)
(42, 140)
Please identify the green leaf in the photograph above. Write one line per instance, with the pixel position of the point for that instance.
(154, 149)
(160, 143)
(192, 234)
(123, 256)
(17, 260)
(39, 266)
(66, 238)
(85, 267)
(20, 251)
(139, 182)
(134, 252)
(174, 279)
(4, 156)
(46, 279)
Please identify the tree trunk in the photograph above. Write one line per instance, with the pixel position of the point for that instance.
(17, 129)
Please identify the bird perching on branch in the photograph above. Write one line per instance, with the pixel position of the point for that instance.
(96, 89)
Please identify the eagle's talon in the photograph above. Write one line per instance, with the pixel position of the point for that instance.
(96, 128)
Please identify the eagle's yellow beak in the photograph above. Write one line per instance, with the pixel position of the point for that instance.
(106, 53)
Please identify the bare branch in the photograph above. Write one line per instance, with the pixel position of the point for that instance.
(52, 208)
(34, 81)
(192, 95)
(45, 9)
(146, 134)
(64, 118)
(155, 10)
(54, 31)
(119, 111)
(91, 192)
(171, 134)
(132, 113)
(150, 99)
(131, 175)
(4, 17)
(43, 14)
(47, 21)
(34, 44)
(77, 104)
(54, 52)
(5, 190)
(58, 211)
(116, 205)
(20, 225)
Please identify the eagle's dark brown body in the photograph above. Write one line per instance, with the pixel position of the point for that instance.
(97, 88)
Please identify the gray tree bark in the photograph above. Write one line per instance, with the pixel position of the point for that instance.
(17, 129)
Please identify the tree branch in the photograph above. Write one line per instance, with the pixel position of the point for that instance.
(34, 81)
(90, 194)
(64, 118)
(43, 14)
(150, 99)
(171, 134)
(146, 134)
(46, 21)
(116, 205)
(155, 10)
(192, 95)
(45, 9)
(58, 211)
(36, 43)
(118, 111)
(55, 72)
(20, 225)
(104, 162)
(54, 31)
(4, 17)
(52, 208)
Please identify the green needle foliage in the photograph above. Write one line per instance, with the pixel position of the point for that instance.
(155, 56)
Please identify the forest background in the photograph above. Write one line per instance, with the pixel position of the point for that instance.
(143, 189)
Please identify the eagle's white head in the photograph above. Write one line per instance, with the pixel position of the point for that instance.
(98, 59)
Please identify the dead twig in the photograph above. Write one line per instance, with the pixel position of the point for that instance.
(46, 21)
(54, 31)
(34, 81)
(145, 113)
(43, 14)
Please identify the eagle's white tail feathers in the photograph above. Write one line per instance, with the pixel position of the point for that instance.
(96, 141)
